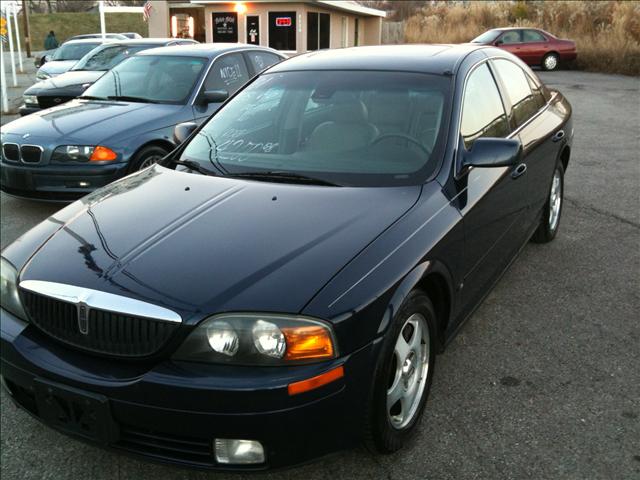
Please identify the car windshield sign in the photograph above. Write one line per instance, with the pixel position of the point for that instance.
(73, 51)
(355, 128)
(150, 78)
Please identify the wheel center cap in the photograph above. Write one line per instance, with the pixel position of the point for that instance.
(409, 367)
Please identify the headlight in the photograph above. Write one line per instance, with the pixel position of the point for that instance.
(42, 75)
(83, 153)
(9, 298)
(256, 339)
(30, 99)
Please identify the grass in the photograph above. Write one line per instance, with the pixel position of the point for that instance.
(607, 33)
(69, 24)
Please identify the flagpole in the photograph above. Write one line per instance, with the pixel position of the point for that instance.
(3, 81)
(103, 28)
(15, 23)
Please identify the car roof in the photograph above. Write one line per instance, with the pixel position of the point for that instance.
(438, 59)
(87, 40)
(209, 50)
(149, 41)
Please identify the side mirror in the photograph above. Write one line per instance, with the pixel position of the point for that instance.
(498, 43)
(493, 152)
(182, 131)
(214, 96)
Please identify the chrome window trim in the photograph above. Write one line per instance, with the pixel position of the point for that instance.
(101, 300)
(19, 153)
(31, 145)
(457, 168)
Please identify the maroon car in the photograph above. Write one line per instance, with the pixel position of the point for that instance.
(532, 45)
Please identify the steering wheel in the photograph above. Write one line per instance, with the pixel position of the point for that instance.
(404, 136)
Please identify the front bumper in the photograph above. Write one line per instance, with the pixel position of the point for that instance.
(28, 109)
(171, 411)
(56, 182)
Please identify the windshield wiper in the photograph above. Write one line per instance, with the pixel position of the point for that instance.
(91, 97)
(127, 98)
(285, 177)
(195, 166)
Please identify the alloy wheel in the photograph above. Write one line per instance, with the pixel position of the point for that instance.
(555, 201)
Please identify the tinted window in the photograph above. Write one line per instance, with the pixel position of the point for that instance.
(348, 127)
(261, 60)
(523, 101)
(482, 110)
(228, 73)
(282, 30)
(532, 36)
(159, 79)
(512, 36)
(318, 25)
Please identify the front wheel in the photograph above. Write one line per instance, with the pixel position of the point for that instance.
(147, 157)
(403, 375)
(552, 210)
(550, 61)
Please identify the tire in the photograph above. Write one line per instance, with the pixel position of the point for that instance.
(146, 157)
(550, 61)
(387, 426)
(551, 213)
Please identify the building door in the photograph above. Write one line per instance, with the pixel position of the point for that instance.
(253, 29)
(282, 31)
(225, 27)
(356, 35)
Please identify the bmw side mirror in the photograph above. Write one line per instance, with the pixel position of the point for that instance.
(493, 152)
(215, 96)
(182, 131)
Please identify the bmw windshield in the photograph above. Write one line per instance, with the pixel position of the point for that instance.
(350, 128)
(107, 56)
(150, 78)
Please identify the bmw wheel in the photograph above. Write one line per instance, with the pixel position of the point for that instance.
(147, 157)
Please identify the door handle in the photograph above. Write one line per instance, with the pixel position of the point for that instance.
(558, 136)
(519, 171)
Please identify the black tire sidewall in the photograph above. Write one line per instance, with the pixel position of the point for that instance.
(144, 153)
(544, 233)
(381, 436)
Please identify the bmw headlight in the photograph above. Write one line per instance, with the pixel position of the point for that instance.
(30, 99)
(83, 153)
(259, 339)
(9, 298)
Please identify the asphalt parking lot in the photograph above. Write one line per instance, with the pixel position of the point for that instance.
(544, 380)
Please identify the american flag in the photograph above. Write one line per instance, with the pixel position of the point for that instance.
(146, 11)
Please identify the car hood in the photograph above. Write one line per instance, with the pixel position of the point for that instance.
(64, 81)
(56, 67)
(200, 245)
(89, 121)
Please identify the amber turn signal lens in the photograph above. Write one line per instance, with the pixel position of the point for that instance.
(101, 154)
(316, 382)
(308, 342)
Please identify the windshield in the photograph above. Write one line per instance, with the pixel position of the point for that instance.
(157, 79)
(487, 37)
(107, 56)
(356, 128)
(73, 51)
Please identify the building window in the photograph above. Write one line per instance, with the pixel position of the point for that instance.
(318, 25)
(225, 27)
(282, 30)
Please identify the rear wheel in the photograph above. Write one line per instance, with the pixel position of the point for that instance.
(550, 61)
(403, 375)
(147, 157)
(550, 220)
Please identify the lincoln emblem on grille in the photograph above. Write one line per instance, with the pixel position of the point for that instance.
(83, 318)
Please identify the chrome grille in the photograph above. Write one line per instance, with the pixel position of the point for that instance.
(106, 332)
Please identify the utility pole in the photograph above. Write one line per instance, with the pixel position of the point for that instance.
(25, 26)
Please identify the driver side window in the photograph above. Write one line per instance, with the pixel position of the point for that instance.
(483, 113)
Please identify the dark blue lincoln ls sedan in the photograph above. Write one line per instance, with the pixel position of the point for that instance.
(278, 287)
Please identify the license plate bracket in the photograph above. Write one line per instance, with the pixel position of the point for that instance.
(75, 411)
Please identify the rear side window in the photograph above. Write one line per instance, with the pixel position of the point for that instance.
(482, 110)
(524, 102)
(261, 60)
(228, 73)
(532, 36)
